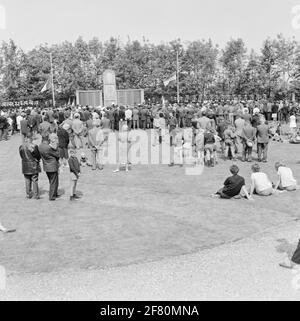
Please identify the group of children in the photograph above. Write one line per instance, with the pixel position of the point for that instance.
(235, 187)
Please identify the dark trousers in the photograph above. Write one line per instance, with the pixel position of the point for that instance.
(112, 124)
(262, 150)
(129, 123)
(136, 124)
(23, 137)
(53, 181)
(31, 184)
(181, 122)
(247, 152)
(222, 194)
(296, 255)
(3, 133)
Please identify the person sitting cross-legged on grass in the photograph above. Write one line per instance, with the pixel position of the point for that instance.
(74, 165)
(286, 179)
(234, 186)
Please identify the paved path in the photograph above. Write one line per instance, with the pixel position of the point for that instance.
(243, 270)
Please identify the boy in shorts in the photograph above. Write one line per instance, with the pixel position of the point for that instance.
(74, 166)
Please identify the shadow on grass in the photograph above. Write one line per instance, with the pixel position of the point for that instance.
(44, 192)
(79, 193)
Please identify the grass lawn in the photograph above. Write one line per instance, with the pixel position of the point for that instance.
(148, 214)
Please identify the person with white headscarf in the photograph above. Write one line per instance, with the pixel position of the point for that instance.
(78, 128)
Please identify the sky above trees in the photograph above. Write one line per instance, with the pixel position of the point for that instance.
(33, 22)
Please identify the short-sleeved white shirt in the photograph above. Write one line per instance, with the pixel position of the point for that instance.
(261, 181)
(286, 177)
(293, 123)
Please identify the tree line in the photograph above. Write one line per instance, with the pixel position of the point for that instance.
(204, 68)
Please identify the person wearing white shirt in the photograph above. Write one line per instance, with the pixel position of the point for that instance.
(156, 127)
(286, 179)
(293, 124)
(19, 119)
(260, 183)
(128, 117)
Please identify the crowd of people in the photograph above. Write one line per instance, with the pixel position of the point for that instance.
(213, 128)
(143, 116)
(227, 128)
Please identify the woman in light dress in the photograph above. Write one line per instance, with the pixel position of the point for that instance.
(125, 141)
(293, 124)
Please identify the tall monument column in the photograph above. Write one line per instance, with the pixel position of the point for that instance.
(109, 88)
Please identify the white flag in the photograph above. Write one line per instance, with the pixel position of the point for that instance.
(172, 78)
(47, 85)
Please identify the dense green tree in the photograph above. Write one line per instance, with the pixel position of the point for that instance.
(204, 69)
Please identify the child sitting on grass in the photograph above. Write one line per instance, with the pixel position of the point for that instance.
(234, 186)
(286, 180)
(295, 138)
(275, 131)
(74, 165)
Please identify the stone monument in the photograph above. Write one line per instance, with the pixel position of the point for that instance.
(109, 88)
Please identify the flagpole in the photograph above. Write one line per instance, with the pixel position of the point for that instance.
(177, 75)
(52, 82)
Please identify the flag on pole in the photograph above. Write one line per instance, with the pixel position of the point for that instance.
(47, 85)
(172, 78)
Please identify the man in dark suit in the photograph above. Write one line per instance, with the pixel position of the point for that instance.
(24, 128)
(248, 137)
(50, 156)
(144, 113)
(263, 138)
(30, 166)
(3, 127)
(111, 117)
